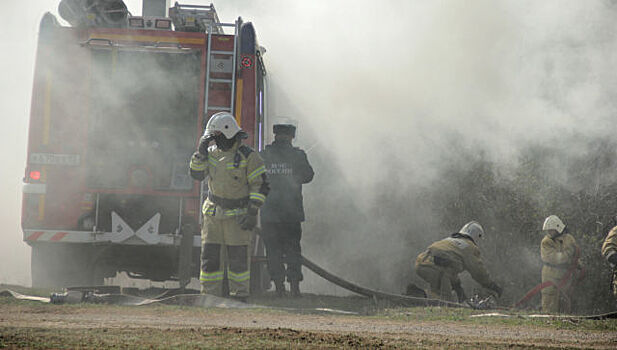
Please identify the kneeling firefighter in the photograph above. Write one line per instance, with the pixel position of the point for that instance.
(609, 251)
(441, 263)
(561, 268)
(237, 187)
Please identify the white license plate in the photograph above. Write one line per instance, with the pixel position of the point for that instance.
(54, 159)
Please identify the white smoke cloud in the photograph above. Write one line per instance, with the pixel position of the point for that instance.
(380, 86)
(18, 35)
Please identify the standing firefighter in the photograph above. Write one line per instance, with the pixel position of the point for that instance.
(281, 216)
(441, 263)
(237, 187)
(609, 250)
(560, 256)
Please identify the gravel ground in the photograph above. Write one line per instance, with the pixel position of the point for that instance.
(20, 322)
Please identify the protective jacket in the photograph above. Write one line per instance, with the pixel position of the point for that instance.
(610, 243)
(236, 186)
(454, 255)
(235, 177)
(610, 247)
(287, 168)
(560, 257)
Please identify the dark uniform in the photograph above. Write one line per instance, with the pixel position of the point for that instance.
(287, 168)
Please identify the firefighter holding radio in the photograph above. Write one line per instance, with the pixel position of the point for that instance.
(237, 187)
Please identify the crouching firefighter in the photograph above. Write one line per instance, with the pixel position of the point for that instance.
(561, 267)
(444, 260)
(237, 187)
(609, 251)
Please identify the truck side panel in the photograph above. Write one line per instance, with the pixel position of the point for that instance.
(58, 127)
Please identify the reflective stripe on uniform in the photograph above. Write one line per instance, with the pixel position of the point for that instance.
(257, 196)
(255, 173)
(211, 276)
(239, 277)
(212, 161)
(234, 212)
(197, 165)
(211, 211)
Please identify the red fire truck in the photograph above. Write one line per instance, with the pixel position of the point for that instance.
(118, 105)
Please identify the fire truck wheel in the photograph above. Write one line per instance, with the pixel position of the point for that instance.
(63, 265)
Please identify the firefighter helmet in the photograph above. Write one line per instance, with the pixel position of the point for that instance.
(553, 222)
(472, 229)
(224, 123)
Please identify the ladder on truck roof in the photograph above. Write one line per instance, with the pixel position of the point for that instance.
(215, 56)
(195, 18)
(200, 18)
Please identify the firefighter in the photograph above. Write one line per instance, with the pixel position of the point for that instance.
(281, 216)
(609, 251)
(237, 187)
(441, 263)
(560, 257)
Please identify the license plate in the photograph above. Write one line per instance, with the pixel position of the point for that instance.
(54, 159)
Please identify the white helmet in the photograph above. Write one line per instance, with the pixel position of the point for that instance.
(553, 222)
(222, 122)
(285, 125)
(472, 229)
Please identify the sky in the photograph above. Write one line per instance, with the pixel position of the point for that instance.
(377, 88)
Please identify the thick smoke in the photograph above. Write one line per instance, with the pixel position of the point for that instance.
(406, 105)
(399, 96)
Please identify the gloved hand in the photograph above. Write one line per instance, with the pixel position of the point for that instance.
(249, 220)
(200, 157)
(612, 259)
(496, 288)
(204, 142)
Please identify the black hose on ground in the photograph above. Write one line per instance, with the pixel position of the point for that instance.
(375, 294)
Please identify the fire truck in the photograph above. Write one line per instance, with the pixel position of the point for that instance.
(118, 105)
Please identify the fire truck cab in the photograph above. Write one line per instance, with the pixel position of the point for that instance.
(118, 105)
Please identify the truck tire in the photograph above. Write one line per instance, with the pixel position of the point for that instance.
(59, 265)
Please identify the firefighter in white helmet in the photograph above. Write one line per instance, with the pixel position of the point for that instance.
(237, 187)
(560, 256)
(609, 251)
(444, 260)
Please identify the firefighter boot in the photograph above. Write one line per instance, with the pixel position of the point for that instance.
(295, 289)
(280, 288)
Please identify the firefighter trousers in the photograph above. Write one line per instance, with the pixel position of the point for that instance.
(282, 242)
(224, 249)
(554, 301)
(439, 278)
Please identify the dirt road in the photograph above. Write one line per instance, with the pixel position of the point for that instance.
(35, 325)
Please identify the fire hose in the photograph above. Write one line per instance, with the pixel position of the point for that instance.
(560, 285)
(375, 294)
